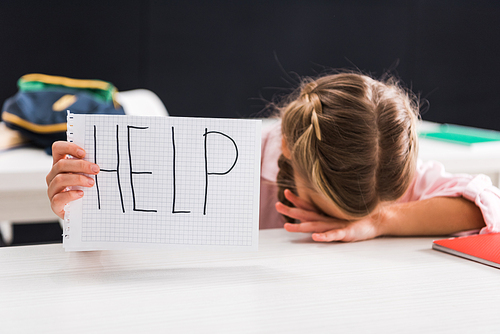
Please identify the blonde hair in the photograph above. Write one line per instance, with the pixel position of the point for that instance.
(352, 139)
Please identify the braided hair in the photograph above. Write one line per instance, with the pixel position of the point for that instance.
(352, 139)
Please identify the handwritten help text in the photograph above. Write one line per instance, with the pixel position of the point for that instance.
(128, 159)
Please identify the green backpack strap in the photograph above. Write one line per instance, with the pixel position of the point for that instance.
(101, 90)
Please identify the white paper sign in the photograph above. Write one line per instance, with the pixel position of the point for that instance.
(168, 182)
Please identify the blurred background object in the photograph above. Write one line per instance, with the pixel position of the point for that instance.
(25, 214)
(227, 58)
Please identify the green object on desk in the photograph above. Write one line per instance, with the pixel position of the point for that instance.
(461, 135)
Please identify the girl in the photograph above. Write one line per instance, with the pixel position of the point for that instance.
(347, 169)
(344, 167)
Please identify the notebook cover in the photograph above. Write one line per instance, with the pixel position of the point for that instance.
(462, 135)
(483, 248)
(463, 139)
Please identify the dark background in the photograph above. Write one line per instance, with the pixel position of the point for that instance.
(226, 58)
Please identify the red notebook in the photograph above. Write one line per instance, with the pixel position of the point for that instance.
(483, 248)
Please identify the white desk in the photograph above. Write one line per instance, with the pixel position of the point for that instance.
(460, 158)
(23, 190)
(291, 285)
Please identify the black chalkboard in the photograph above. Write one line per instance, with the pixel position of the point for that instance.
(228, 58)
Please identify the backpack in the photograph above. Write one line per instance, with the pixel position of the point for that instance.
(38, 110)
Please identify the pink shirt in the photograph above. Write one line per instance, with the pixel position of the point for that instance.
(431, 180)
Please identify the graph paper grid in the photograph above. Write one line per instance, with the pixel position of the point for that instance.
(167, 181)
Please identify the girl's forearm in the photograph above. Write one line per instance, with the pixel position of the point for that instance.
(434, 216)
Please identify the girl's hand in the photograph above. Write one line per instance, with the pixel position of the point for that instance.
(68, 173)
(324, 228)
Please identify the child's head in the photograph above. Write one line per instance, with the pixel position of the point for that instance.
(351, 139)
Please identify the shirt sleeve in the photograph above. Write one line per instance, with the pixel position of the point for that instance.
(431, 180)
(271, 150)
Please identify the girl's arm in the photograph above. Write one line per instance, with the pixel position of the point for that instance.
(437, 203)
(433, 216)
(66, 173)
(461, 201)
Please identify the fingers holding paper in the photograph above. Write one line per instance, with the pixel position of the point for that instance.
(67, 173)
(60, 149)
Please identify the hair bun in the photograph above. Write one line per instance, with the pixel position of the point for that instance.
(309, 87)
